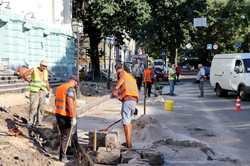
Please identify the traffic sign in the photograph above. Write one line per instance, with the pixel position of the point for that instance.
(215, 46)
(163, 53)
(238, 44)
(200, 22)
(209, 46)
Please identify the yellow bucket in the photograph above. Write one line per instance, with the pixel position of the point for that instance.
(169, 105)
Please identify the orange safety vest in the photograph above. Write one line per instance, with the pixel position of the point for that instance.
(61, 104)
(129, 86)
(147, 75)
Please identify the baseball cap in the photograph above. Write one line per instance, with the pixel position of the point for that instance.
(75, 78)
(44, 62)
(199, 65)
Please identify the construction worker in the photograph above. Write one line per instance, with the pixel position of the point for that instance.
(65, 102)
(129, 97)
(148, 79)
(20, 71)
(39, 86)
(171, 79)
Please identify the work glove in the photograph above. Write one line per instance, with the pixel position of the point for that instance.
(115, 93)
(73, 121)
(47, 95)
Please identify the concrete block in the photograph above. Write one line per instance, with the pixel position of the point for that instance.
(154, 158)
(135, 162)
(100, 139)
(104, 139)
(111, 140)
(107, 157)
(128, 155)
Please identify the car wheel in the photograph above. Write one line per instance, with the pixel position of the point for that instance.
(220, 92)
(160, 79)
(242, 93)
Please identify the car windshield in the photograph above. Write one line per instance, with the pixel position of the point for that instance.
(158, 63)
(247, 65)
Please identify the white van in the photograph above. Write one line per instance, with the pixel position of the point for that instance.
(231, 72)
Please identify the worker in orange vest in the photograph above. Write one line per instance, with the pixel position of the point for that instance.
(148, 79)
(129, 97)
(65, 102)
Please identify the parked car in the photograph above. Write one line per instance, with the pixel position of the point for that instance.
(103, 76)
(207, 72)
(159, 76)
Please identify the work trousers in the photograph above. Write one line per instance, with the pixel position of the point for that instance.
(37, 102)
(64, 123)
(139, 82)
(171, 86)
(201, 87)
(149, 87)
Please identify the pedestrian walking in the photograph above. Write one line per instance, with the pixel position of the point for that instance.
(147, 79)
(178, 72)
(171, 79)
(129, 97)
(200, 78)
(65, 102)
(39, 86)
(20, 71)
(138, 73)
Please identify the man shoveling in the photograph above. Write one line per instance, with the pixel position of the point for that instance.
(129, 96)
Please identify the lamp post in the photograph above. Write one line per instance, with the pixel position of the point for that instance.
(124, 48)
(77, 28)
(110, 41)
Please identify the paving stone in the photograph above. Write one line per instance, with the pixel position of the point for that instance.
(154, 158)
(111, 140)
(135, 162)
(128, 155)
(100, 139)
(107, 157)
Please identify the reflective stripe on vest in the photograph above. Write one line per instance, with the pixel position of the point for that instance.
(147, 75)
(129, 86)
(171, 71)
(36, 83)
(61, 97)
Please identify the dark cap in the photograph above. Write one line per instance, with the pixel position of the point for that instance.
(75, 78)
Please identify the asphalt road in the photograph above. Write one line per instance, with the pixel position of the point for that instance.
(210, 120)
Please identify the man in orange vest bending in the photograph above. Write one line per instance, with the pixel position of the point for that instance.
(129, 97)
(148, 79)
(39, 85)
(66, 112)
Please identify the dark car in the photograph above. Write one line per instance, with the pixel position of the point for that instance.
(159, 76)
(89, 76)
(207, 72)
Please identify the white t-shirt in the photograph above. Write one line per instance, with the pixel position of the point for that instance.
(200, 74)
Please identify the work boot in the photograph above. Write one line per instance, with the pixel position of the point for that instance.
(64, 159)
(29, 125)
(40, 124)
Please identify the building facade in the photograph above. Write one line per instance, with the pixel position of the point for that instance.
(34, 30)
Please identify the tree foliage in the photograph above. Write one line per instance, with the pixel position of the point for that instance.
(167, 24)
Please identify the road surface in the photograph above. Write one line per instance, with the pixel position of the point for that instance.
(210, 123)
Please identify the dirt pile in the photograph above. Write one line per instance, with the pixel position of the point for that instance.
(38, 146)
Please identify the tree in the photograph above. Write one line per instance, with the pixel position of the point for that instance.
(102, 18)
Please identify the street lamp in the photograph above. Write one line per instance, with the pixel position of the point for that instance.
(124, 48)
(110, 41)
(77, 28)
